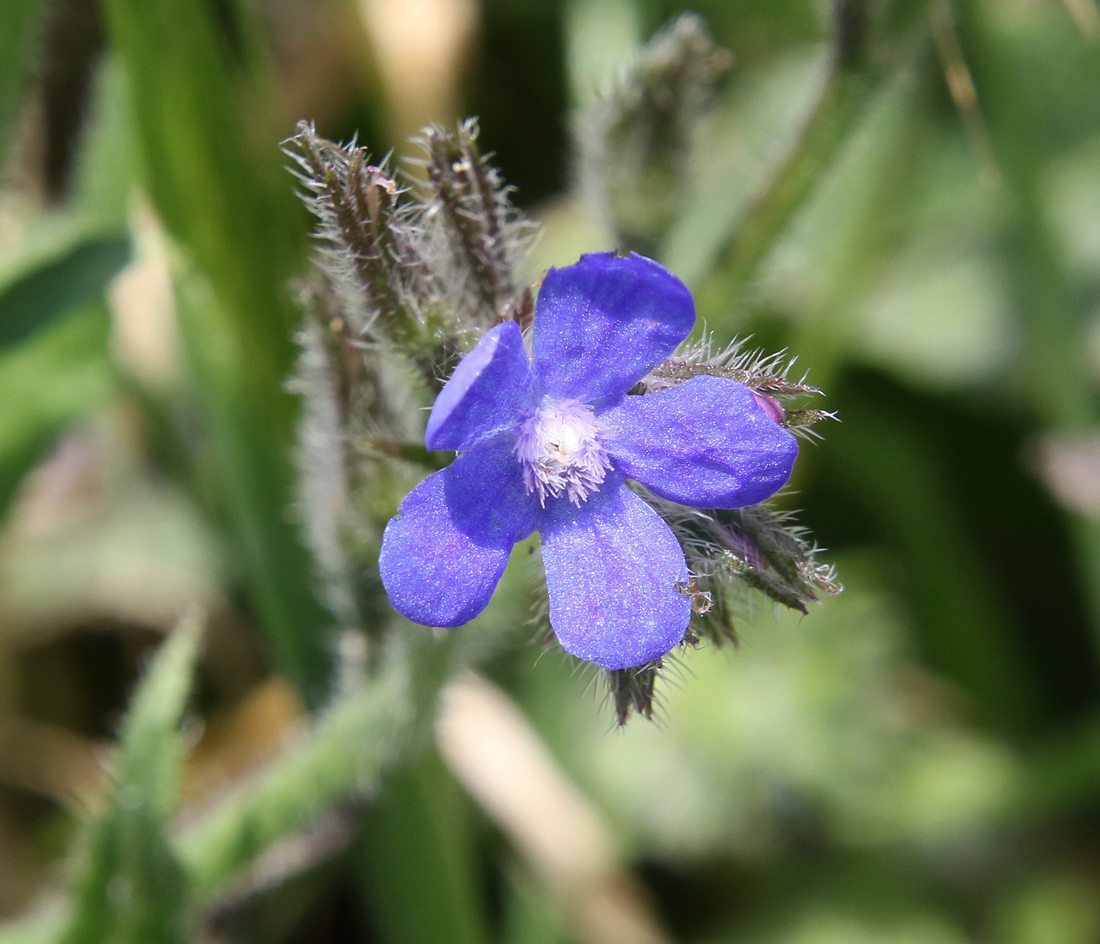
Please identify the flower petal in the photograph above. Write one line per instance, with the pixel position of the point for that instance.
(487, 389)
(605, 322)
(447, 546)
(612, 569)
(705, 442)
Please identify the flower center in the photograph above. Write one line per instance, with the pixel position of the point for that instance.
(558, 446)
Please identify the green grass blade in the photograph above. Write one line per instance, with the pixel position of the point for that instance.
(133, 889)
(61, 374)
(213, 168)
(361, 735)
(151, 749)
(41, 296)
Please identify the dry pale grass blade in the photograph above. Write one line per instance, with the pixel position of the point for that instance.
(499, 758)
(144, 329)
(420, 48)
(960, 84)
(1069, 465)
(237, 741)
(1086, 16)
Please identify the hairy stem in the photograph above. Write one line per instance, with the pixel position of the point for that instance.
(365, 732)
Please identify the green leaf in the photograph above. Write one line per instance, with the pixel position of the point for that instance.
(206, 133)
(103, 172)
(199, 92)
(253, 461)
(77, 276)
(133, 889)
(49, 381)
(151, 748)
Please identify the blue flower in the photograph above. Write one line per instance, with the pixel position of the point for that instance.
(547, 443)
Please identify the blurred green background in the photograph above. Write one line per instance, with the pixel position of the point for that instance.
(917, 760)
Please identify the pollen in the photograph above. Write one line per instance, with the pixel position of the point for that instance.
(559, 449)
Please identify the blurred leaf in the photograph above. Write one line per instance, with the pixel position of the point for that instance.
(844, 91)
(253, 473)
(133, 888)
(42, 927)
(209, 144)
(203, 121)
(1054, 907)
(103, 172)
(420, 865)
(1056, 372)
(1047, 310)
(598, 34)
(19, 23)
(54, 378)
(129, 558)
(965, 629)
(54, 288)
(854, 73)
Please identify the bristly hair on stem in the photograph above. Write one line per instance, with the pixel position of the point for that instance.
(426, 268)
(407, 278)
(734, 551)
(479, 237)
(768, 374)
(370, 241)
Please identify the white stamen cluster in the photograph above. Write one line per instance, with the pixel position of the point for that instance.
(558, 446)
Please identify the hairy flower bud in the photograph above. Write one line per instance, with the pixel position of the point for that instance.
(636, 143)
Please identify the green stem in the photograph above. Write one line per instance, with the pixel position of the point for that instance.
(824, 335)
(844, 95)
(416, 847)
(852, 78)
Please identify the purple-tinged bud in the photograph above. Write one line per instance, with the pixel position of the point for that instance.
(771, 407)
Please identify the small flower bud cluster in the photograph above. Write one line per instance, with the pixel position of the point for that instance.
(756, 548)
(479, 237)
(408, 274)
(424, 268)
